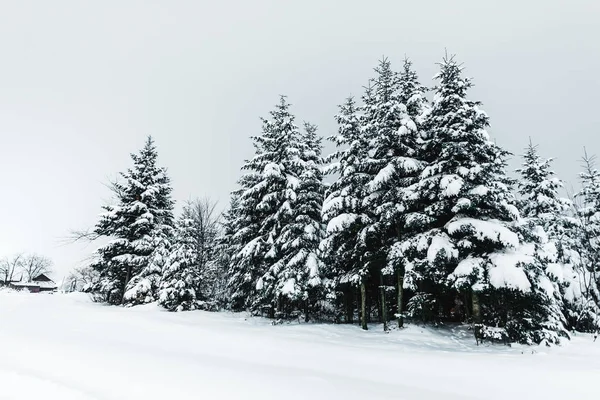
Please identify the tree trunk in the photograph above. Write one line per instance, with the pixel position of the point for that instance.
(400, 299)
(363, 305)
(476, 307)
(306, 310)
(127, 278)
(383, 305)
(466, 299)
(349, 305)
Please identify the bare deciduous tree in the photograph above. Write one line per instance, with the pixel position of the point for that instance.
(79, 279)
(206, 221)
(34, 265)
(9, 267)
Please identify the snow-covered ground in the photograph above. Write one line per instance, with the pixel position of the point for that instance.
(65, 347)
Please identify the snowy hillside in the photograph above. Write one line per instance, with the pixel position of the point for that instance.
(65, 347)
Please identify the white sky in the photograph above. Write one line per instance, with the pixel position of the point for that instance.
(82, 83)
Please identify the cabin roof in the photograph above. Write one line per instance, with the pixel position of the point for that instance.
(42, 278)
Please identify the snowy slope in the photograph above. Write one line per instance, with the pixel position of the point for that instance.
(64, 347)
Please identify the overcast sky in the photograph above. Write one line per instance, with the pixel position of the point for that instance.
(82, 83)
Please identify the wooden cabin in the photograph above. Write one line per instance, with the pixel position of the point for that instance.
(40, 283)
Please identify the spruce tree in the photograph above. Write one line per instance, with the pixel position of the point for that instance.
(539, 191)
(267, 194)
(469, 245)
(299, 269)
(344, 210)
(180, 279)
(141, 218)
(549, 224)
(394, 161)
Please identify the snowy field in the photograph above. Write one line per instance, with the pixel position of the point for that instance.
(65, 347)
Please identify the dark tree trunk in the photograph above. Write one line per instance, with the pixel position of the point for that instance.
(306, 310)
(467, 312)
(363, 305)
(127, 278)
(400, 299)
(349, 305)
(383, 304)
(476, 307)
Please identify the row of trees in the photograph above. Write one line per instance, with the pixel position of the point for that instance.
(23, 267)
(420, 220)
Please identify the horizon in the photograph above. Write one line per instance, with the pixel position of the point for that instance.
(84, 84)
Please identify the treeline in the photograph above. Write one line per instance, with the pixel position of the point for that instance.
(420, 220)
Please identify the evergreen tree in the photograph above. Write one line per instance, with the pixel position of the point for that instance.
(394, 158)
(468, 244)
(142, 217)
(268, 192)
(547, 214)
(412, 93)
(181, 276)
(344, 211)
(299, 269)
(539, 190)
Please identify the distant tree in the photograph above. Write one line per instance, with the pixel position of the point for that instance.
(34, 265)
(205, 231)
(10, 266)
(588, 213)
(80, 279)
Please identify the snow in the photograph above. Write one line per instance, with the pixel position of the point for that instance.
(485, 230)
(441, 244)
(470, 266)
(451, 185)
(64, 347)
(383, 176)
(507, 272)
(340, 222)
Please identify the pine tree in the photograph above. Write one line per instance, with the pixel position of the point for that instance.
(343, 209)
(180, 279)
(539, 190)
(468, 244)
(299, 270)
(412, 93)
(267, 194)
(142, 216)
(548, 216)
(394, 159)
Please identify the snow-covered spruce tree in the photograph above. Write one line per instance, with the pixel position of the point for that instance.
(298, 270)
(344, 211)
(267, 196)
(550, 224)
(139, 221)
(539, 191)
(462, 205)
(412, 93)
(394, 148)
(180, 279)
